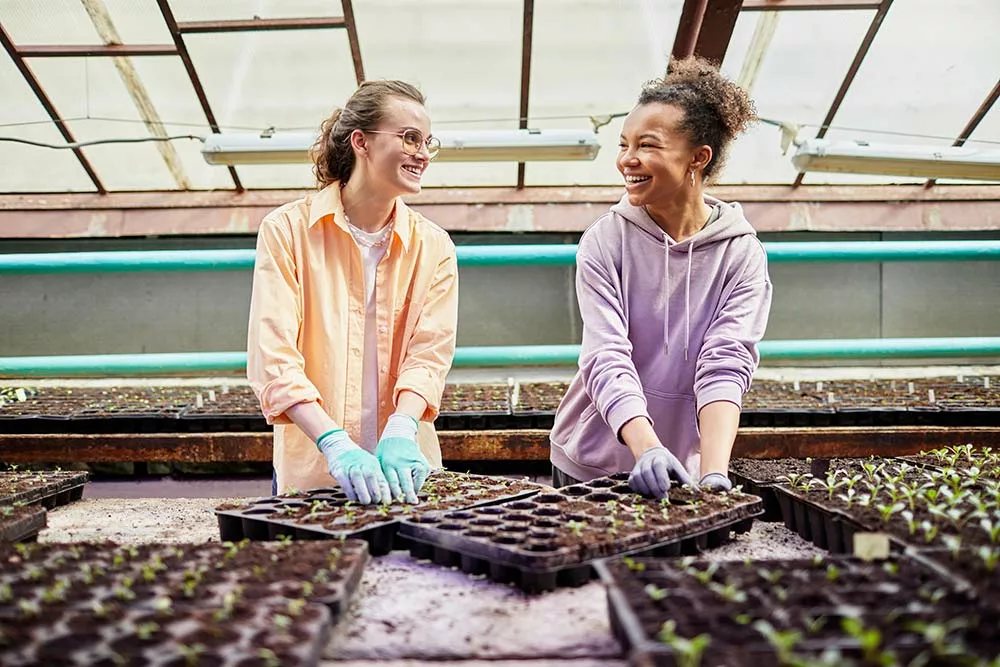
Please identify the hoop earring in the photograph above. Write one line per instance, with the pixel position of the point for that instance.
(692, 177)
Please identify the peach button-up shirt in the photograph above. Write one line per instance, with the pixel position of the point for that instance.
(307, 325)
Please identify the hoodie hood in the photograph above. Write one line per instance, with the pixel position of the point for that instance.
(727, 222)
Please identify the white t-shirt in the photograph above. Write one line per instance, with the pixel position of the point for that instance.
(373, 246)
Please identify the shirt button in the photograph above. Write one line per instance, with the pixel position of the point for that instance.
(382, 329)
(384, 369)
(382, 404)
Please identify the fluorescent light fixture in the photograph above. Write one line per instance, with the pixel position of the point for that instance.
(859, 157)
(456, 146)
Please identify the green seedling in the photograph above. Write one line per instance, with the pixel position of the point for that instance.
(783, 641)
(687, 652)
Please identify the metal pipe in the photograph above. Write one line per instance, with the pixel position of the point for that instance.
(503, 255)
(499, 355)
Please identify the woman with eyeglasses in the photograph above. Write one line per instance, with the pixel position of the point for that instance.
(674, 293)
(354, 308)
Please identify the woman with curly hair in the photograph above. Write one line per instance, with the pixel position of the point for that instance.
(674, 293)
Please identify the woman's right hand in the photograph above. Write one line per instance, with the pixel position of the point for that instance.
(357, 471)
(653, 471)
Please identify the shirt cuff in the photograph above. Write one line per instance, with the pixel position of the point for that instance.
(624, 410)
(720, 391)
(425, 384)
(280, 394)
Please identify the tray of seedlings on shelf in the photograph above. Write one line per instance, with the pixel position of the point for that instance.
(836, 611)
(759, 476)
(21, 523)
(474, 406)
(955, 510)
(550, 539)
(173, 604)
(326, 513)
(49, 488)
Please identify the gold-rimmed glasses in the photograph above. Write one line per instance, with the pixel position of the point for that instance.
(413, 140)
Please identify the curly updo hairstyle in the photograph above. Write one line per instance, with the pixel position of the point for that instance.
(332, 155)
(716, 110)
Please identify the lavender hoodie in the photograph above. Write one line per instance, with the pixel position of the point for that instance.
(667, 328)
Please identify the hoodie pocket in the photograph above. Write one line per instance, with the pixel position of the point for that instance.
(675, 421)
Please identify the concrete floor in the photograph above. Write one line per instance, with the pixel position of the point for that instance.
(412, 614)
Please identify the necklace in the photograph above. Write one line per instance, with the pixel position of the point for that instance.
(369, 240)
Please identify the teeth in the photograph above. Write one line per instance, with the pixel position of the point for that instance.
(636, 179)
(412, 170)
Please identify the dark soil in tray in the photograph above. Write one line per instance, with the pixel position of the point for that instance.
(208, 604)
(549, 539)
(916, 506)
(476, 398)
(50, 488)
(539, 397)
(326, 513)
(774, 612)
(21, 523)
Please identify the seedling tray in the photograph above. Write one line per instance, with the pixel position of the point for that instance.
(21, 524)
(48, 488)
(725, 600)
(326, 513)
(258, 632)
(550, 539)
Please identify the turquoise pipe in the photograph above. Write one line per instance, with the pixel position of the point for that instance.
(500, 255)
(502, 355)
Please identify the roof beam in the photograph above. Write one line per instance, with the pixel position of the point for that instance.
(852, 71)
(199, 90)
(352, 39)
(807, 5)
(50, 108)
(259, 25)
(105, 27)
(96, 50)
(974, 122)
(692, 15)
(717, 29)
(527, 30)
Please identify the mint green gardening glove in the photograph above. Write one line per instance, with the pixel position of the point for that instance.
(357, 471)
(405, 468)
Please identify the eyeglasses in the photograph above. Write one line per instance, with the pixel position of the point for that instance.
(413, 141)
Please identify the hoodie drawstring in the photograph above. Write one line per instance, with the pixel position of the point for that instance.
(666, 296)
(687, 302)
(687, 298)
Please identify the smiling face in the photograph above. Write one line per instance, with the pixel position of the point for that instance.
(655, 157)
(386, 161)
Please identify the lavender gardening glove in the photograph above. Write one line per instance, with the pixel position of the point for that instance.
(404, 466)
(357, 471)
(653, 471)
(716, 482)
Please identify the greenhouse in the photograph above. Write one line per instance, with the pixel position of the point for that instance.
(500, 333)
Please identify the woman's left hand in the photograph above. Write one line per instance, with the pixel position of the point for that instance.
(403, 465)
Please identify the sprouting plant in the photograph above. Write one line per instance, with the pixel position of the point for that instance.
(633, 564)
(869, 640)
(848, 497)
(832, 572)
(930, 531)
(321, 577)
(282, 622)
(307, 589)
(269, 657)
(992, 529)
(802, 481)
(989, 556)
(831, 483)
(191, 653)
(576, 527)
(295, 607)
(145, 631)
(163, 604)
(953, 543)
(771, 576)
(6, 594)
(783, 641)
(729, 592)
(654, 592)
(100, 611)
(688, 652)
(886, 511)
(852, 481)
(814, 625)
(28, 607)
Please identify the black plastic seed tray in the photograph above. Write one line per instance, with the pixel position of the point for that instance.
(21, 524)
(48, 488)
(107, 576)
(258, 632)
(550, 539)
(825, 527)
(326, 513)
(726, 600)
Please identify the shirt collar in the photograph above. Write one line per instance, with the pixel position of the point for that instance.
(327, 203)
